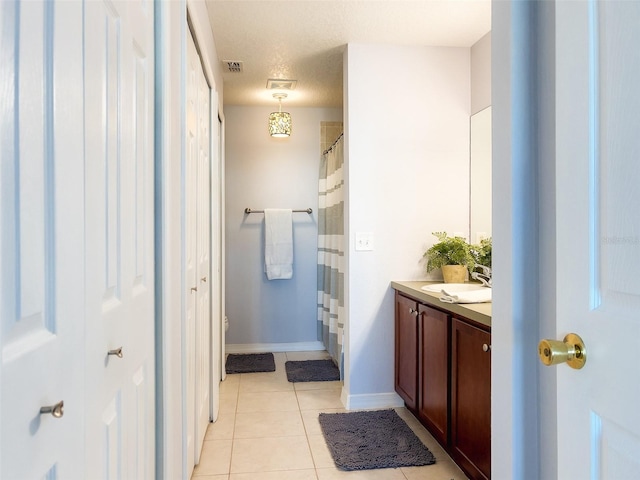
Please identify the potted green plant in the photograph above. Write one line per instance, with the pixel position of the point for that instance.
(482, 252)
(451, 254)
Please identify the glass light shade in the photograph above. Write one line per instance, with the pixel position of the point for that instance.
(280, 124)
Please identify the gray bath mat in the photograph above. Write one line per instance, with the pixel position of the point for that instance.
(312, 371)
(250, 363)
(372, 439)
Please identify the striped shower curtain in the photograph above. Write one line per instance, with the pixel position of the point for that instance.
(331, 260)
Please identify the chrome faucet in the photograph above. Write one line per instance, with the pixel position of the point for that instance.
(484, 277)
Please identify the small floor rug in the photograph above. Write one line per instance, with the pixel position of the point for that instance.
(372, 439)
(250, 363)
(312, 371)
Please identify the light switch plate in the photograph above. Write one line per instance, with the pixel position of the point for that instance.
(364, 241)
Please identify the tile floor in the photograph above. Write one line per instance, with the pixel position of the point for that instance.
(268, 430)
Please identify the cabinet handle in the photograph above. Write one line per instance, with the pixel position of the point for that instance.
(413, 312)
(486, 347)
(194, 289)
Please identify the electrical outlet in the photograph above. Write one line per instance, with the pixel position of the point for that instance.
(364, 241)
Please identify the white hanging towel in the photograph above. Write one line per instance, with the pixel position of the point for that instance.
(278, 244)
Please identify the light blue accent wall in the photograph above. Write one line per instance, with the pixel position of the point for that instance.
(264, 172)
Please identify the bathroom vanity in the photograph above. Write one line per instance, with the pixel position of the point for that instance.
(443, 372)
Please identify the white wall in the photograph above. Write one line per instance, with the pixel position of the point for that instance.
(265, 172)
(407, 155)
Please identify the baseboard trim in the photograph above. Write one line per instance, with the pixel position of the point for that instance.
(273, 347)
(374, 400)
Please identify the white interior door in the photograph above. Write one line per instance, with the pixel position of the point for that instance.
(41, 240)
(598, 228)
(119, 276)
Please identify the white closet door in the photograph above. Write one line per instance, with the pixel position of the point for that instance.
(41, 239)
(198, 242)
(203, 245)
(119, 74)
(191, 262)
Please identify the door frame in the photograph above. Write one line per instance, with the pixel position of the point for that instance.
(523, 178)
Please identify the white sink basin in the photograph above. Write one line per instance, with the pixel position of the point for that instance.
(453, 287)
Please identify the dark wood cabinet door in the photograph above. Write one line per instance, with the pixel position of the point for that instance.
(406, 345)
(471, 399)
(433, 408)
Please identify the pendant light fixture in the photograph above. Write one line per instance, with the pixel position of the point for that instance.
(280, 122)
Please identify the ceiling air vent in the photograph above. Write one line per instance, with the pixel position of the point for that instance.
(281, 84)
(233, 66)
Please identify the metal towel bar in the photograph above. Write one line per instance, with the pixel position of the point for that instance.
(249, 210)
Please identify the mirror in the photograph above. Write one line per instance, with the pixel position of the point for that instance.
(480, 176)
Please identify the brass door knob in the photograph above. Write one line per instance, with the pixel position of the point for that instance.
(571, 350)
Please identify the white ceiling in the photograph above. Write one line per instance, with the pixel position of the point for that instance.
(304, 40)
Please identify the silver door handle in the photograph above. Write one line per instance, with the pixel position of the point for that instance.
(194, 289)
(203, 279)
(57, 410)
(116, 352)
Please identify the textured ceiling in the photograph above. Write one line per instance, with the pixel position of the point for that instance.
(304, 40)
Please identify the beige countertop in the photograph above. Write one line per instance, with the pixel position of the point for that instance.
(477, 312)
